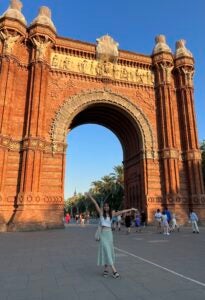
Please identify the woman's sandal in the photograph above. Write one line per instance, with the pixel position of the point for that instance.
(115, 275)
(105, 273)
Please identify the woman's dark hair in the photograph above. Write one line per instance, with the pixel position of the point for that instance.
(109, 212)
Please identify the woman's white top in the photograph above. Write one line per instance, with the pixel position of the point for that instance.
(158, 216)
(105, 222)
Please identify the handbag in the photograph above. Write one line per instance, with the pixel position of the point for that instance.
(98, 233)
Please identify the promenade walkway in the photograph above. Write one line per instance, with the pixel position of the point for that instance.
(61, 264)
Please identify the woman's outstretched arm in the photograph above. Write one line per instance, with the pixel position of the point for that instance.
(95, 203)
(117, 213)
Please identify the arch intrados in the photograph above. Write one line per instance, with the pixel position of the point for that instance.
(77, 103)
(117, 121)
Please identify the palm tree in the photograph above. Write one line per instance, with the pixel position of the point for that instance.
(110, 187)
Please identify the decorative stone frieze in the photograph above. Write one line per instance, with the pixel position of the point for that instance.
(102, 69)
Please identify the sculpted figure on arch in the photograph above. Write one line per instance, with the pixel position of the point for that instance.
(9, 41)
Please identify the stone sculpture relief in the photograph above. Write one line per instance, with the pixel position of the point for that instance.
(41, 46)
(8, 41)
(107, 49)
(102, 68)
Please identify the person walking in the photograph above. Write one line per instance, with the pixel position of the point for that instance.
(194, 220)
(158, 218)
(119, 218)
(143, 218)
(174, 224)
(128, 221)
(138, 222)
(165, 223)
(106, 254)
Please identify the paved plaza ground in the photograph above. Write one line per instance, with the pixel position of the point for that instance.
(61, 264)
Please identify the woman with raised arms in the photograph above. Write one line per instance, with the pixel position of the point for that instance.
(106, 255)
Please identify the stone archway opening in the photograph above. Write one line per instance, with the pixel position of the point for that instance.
(125, 128)
(94, 154)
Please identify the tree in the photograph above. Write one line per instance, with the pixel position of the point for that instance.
(110, 187)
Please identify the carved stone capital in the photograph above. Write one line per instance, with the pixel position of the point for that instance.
(193, 155)
(187, 74)
(42, 44)
(166, 71)
(169, 153)
(9, 40)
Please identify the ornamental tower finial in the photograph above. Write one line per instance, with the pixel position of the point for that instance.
(44, 18)
(14, 11)
(181, 49)
(161, 45)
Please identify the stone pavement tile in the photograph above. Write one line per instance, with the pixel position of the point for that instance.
(123, 288)
(27, 294)
(188, 294)
(39, 282)
(12, 282)
(96, 295)
(67, 280)
(30, 268)
(64, 293)
(3, 295)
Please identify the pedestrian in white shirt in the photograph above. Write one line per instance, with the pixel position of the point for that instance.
(158, 218)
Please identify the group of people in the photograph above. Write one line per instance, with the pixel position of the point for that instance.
(110, 220)
(129, 219)
(82, 218)
(167, 222)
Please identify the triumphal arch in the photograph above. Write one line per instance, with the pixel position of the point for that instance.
(51, 84)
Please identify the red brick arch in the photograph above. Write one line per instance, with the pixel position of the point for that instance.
(75, 104)
(51, 84)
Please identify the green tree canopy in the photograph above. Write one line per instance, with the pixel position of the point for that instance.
(109, 187)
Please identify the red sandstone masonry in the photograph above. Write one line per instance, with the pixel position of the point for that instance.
(40, 103)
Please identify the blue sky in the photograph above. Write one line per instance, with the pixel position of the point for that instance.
(93, 150)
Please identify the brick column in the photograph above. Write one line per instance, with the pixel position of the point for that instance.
(184, 69)
(164, 87)
(12, 32)
(47, 207)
